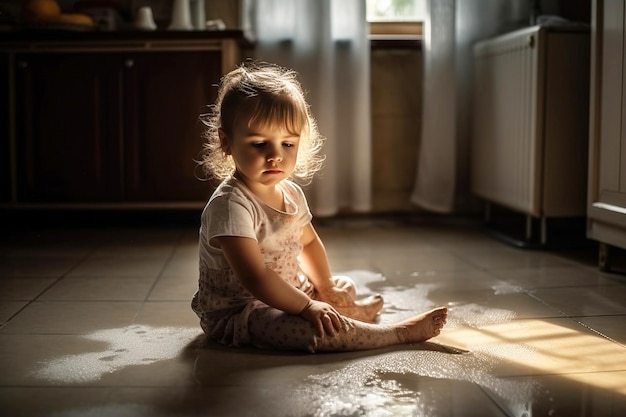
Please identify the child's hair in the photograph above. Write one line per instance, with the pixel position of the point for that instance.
(266, 95)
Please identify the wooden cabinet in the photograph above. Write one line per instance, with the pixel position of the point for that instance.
(607, 162)
(67, 128)
(165, 93)
(108, 124)
(111, 127)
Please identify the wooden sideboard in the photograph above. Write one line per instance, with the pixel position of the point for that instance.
(108, 119)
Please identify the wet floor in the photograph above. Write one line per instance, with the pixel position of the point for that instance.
(96, 322)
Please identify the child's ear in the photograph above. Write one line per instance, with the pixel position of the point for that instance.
(224, 142)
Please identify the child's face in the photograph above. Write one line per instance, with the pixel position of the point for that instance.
(263, 156)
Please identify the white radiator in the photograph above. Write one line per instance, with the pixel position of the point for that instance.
(530, 118)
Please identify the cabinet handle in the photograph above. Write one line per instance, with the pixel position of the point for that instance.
(129, 63)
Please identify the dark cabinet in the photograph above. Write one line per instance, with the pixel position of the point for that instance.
(111, 127)
(108, 119)
(68, 142)
(164, 95)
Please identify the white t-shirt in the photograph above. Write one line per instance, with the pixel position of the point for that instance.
(233, 210)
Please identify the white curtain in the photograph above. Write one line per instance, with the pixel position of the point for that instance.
(326, 42)
(435, 183)
(451, 27)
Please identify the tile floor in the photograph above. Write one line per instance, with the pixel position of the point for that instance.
(96, 322)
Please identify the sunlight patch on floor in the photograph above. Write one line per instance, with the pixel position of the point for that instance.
(538, 346)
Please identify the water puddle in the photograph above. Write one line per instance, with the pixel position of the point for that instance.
(131, 345)
(409, 383)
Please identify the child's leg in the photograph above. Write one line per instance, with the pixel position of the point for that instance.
(345, 283)
(272, 328)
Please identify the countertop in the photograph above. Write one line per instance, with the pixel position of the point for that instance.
(20, 38)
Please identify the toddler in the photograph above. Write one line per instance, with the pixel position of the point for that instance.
(265, 280)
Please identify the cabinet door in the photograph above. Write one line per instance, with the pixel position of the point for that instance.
(68, 147)
(607, 191)
(165, 93)
(612, 174)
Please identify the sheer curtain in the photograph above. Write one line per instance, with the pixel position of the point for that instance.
(451, 27)
(435, 183)
(326, 42)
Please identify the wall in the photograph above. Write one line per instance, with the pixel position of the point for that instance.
(396, 88)
(229, 11)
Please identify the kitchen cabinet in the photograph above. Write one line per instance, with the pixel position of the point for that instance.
(67, 128)
(109, 124)
(607, 161)
(164, 95)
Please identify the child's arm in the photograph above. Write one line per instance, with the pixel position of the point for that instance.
(245, 257)
(314, 261)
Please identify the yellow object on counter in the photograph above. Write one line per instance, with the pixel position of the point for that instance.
(79, 18)
(49, 12)
(40, 10)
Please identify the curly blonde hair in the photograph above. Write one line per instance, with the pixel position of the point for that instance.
(267, 96)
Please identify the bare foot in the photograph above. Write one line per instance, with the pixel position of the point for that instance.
(363, 310)
(422, 327)
(343, 298)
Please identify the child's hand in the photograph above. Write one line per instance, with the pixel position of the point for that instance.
(325, 319)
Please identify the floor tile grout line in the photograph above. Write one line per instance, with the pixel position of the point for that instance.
(160, 274)
(489, 394)
(79, 262)
(548, 374)
(598, 332)
(57, 280)
(495, 273)
(575, 320)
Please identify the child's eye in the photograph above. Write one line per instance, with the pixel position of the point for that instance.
(258, 144)
(288, 145)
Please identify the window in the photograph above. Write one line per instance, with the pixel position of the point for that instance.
(396, 19)
(395, 10)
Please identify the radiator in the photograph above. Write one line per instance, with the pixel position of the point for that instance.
(530, 121)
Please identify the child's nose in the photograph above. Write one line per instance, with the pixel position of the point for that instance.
(274, 155)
